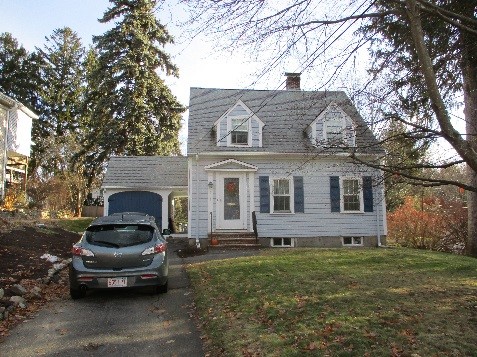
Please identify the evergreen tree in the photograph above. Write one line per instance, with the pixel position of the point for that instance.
(135, 112)
(406, 152)
(62, 124)
(61, 96)
(19, 71)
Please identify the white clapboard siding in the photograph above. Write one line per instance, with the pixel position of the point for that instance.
(316, 221)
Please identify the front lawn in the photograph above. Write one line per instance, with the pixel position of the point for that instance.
(342, 302)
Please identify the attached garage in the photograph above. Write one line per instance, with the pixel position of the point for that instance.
(136, 201)
(148, 184)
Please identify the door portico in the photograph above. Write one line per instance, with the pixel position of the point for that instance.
(230, 195)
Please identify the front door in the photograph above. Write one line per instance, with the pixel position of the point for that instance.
(231, 201)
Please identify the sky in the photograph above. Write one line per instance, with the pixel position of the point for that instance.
(200, 63)
(30, 21)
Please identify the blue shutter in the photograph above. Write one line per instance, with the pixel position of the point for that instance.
(335, 193)
(299, 194)
(264, 187)
(368, 193)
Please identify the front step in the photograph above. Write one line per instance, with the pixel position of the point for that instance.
(234, 240)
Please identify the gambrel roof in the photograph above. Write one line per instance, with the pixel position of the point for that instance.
(146, 172)
(286, 115)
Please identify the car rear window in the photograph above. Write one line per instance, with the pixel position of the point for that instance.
(119, 235)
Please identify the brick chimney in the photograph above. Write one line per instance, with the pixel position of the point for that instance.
(293, 81)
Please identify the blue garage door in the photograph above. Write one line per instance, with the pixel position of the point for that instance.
(137, 201)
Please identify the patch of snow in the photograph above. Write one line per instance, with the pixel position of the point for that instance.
(50, 258)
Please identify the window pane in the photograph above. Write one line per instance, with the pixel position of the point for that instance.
(231, 198)
(357, 240)
(277, 241)
(351, 187)
(240, 125)
(334, 128)
(347, 240)
(281, 187)
(239, 137)
(351, 195)
(281, 203)
(287, 241)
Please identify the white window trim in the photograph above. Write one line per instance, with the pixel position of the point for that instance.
(352, 243)
(246, 120)
(292, 241)
(291, 193)
(361, 201)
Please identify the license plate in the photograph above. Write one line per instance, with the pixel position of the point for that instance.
(117, 282)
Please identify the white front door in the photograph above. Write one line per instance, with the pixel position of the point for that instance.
(231, 201)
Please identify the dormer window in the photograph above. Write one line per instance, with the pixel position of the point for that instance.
(239, 131)
(333, 129)
(239, 127)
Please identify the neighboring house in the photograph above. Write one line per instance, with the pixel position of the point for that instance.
(15, 143)
(146, 184)
(283, 154)
(274, 162)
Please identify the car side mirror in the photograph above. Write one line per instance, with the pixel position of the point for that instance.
(166, 232)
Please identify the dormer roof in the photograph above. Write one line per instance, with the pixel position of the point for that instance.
(285, 115)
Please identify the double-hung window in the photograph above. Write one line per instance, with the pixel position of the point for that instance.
(334, 129)
(239, 131)
(281, 196)
(352, 199)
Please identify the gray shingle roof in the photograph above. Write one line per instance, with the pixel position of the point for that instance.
(146, 172)
(285, 113)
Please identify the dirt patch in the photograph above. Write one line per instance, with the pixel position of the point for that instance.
(22, 247)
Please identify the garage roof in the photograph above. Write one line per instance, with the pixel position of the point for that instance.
(146, 172)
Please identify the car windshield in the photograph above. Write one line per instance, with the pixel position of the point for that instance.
(118, 235)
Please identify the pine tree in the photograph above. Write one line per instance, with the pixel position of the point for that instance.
(61, 102)
(19, 71)
(135, 112)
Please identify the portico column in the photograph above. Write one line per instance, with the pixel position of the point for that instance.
(165, 209)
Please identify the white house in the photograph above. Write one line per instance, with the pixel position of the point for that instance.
(276, 164)
(283, 157)
(15, 142)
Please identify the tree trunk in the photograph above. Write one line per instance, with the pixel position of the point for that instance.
(469, 79)
(466, 148)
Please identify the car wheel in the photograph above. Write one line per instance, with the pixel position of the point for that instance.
(162, 289)
(77, 293)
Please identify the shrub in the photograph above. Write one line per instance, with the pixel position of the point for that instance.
(429, 223)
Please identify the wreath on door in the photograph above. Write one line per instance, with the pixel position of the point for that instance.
(231, 187)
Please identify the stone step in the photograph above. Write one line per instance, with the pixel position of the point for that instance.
(235, 240)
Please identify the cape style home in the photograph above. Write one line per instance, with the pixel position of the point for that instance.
(275, 164)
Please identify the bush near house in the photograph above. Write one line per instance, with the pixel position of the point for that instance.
(428, 223)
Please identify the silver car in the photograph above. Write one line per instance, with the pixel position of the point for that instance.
(118, 251)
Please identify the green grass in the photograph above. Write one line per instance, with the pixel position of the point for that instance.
(74, 224)
(342, 302)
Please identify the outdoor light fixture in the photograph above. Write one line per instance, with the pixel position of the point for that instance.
(211, 184)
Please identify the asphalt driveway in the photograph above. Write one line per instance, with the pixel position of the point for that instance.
(114, 323)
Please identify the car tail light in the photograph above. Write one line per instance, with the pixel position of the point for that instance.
(148, 276)
(85, 278)
(160, 248)
(157, 249)
(78, 251)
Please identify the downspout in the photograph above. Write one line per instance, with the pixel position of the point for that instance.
(197, 241)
